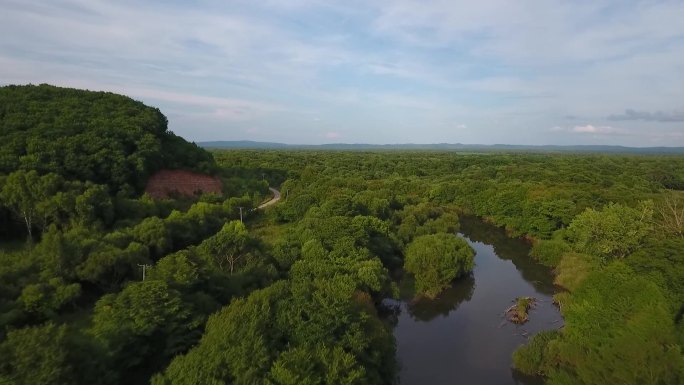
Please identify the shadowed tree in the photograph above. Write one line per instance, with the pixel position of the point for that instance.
(228, 246)
(24, 192)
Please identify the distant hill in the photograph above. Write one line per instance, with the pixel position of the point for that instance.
(247, 144)
(89, 136)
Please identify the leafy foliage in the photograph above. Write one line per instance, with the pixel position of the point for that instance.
(299, 302)
(48, 354)
(549, 252)
(532, 358)
(89, 136)
(612, 232)
(30, 196)
(618, 330)
(228, 245)
(436, 260)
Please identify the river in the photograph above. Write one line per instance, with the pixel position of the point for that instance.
(461, 337)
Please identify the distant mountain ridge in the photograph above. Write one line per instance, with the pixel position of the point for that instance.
(248, 144)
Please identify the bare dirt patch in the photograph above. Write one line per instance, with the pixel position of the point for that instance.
(166, 183)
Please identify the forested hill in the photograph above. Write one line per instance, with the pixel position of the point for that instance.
(248, 144)
(83, 135)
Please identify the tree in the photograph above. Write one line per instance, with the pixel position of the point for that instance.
(108, 267)
(612, 232)
(37, 355)
(238, 346)
(56, 209)
(295, 207)
(436, 260)
(153, 233)
(24, 191)
(146, 319)
(44, 300)
(228, 245)
(94, 205)
(662, 261)
(181, 269)
(317, 366)
(671, 213)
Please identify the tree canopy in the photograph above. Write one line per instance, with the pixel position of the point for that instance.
(294, 294)
(89, 136)
(436, 260)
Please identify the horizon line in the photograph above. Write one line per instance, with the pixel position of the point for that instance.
(428, 144)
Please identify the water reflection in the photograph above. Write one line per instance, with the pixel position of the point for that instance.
(524, 379)
(421, 308)
(459, 337)
(424, 309)
(515, 250)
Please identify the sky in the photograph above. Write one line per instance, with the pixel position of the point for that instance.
(369, 71)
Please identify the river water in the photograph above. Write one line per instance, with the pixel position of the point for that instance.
(461, 337)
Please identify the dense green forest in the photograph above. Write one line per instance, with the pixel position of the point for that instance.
(293, 295)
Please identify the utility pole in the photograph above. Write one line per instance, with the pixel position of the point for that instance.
(240, 213)
(144, 267)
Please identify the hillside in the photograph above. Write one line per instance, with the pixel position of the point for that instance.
(166, 183)
(82, 298)
(83, 135)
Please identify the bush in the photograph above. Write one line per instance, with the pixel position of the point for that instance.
(436, 260)
(573, 268)
(529, 359)
(618, 330)
(549, 252)
(613, 232)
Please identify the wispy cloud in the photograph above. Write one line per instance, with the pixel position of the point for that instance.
(591, 129)
(657, 116)
(333, 135)
(589, 31)
(373, 70)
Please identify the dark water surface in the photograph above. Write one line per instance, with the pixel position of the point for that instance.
(461, 337)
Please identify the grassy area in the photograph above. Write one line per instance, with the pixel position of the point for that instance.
(264, 227)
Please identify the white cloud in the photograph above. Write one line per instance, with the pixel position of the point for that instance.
(535, 32)
(657, 116)
(590, 129)
(372, 69)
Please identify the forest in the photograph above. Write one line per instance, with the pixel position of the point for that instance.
(100, 283)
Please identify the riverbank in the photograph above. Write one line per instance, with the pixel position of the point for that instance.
(460, 335)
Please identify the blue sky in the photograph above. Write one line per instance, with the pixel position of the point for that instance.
(383, 71)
